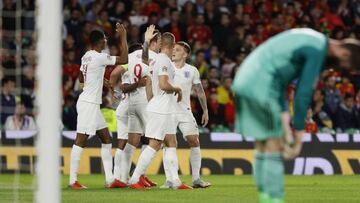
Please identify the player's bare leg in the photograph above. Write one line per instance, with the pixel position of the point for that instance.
(269, 169)
(171, 164)
(106, 156)
(117, 163)
(195, 161)
(80, 143)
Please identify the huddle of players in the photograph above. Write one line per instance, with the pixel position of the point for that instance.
(156, 83)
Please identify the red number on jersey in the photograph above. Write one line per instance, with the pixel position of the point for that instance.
(137, 72)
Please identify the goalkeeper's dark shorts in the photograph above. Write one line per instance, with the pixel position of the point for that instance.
(259, 121)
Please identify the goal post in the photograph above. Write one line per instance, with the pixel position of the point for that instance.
(49, 95)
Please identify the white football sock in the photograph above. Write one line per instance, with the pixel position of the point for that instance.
(143, 163)
(173, 165)
(106, 158)
(117, 164)
(166, 165)
(74, 162)
(126, 161)
(195, 161)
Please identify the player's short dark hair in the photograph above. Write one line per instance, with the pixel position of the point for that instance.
(96, 36)
(167, 39)
(185, 45)
(156, 37)
(134, 47)
(353, 46)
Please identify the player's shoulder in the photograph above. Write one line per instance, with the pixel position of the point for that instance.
(190, 67)
(136, 54)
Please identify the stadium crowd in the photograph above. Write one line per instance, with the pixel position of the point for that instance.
(221, 33)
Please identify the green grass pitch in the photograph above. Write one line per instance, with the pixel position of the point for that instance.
(225, 189)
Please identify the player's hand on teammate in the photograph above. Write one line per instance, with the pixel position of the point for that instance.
(205, 119)
(291, 151)
(120, 29)
(142, 82)
(149, 33)
(178, 92)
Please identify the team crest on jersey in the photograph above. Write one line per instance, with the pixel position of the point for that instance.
(187, 74)
(164, 69)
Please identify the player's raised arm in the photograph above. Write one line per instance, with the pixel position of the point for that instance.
(115, 75)
(149, 34)
(123, 46)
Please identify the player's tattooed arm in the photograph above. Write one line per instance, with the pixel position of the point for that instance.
(149, 34)
(123, 46)
(203, 102)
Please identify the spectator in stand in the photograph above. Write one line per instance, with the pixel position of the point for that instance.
(74, 24)
(8, 101)
(70, 67)
(346, 115)
(332, 97)
(175, 26)
(228, 66)
(153, 20)
(188, 13)
(201, 63)
(346, 87)
(224, 91)
(67, 84)
(211, 14)
(93, 13)
(20, 121)
(216, 112)
(321, 118)
(69, 113)
(222, 32)
(118, 14)
(214, 78)
(310, 124)
(199, 32)
(104, 23)
(214, 56)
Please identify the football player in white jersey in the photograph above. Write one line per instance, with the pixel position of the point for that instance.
(122, 114)
(138, 99)
(161, 121)
(186, 77)
(90, 120)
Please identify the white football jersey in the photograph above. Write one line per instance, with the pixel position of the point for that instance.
(162, 102)
(137, 70)
(185, 78)
(92, 67)
(125, 79)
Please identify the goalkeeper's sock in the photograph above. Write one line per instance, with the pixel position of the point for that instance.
(74, 162)
(259, 171)
(273, 175)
